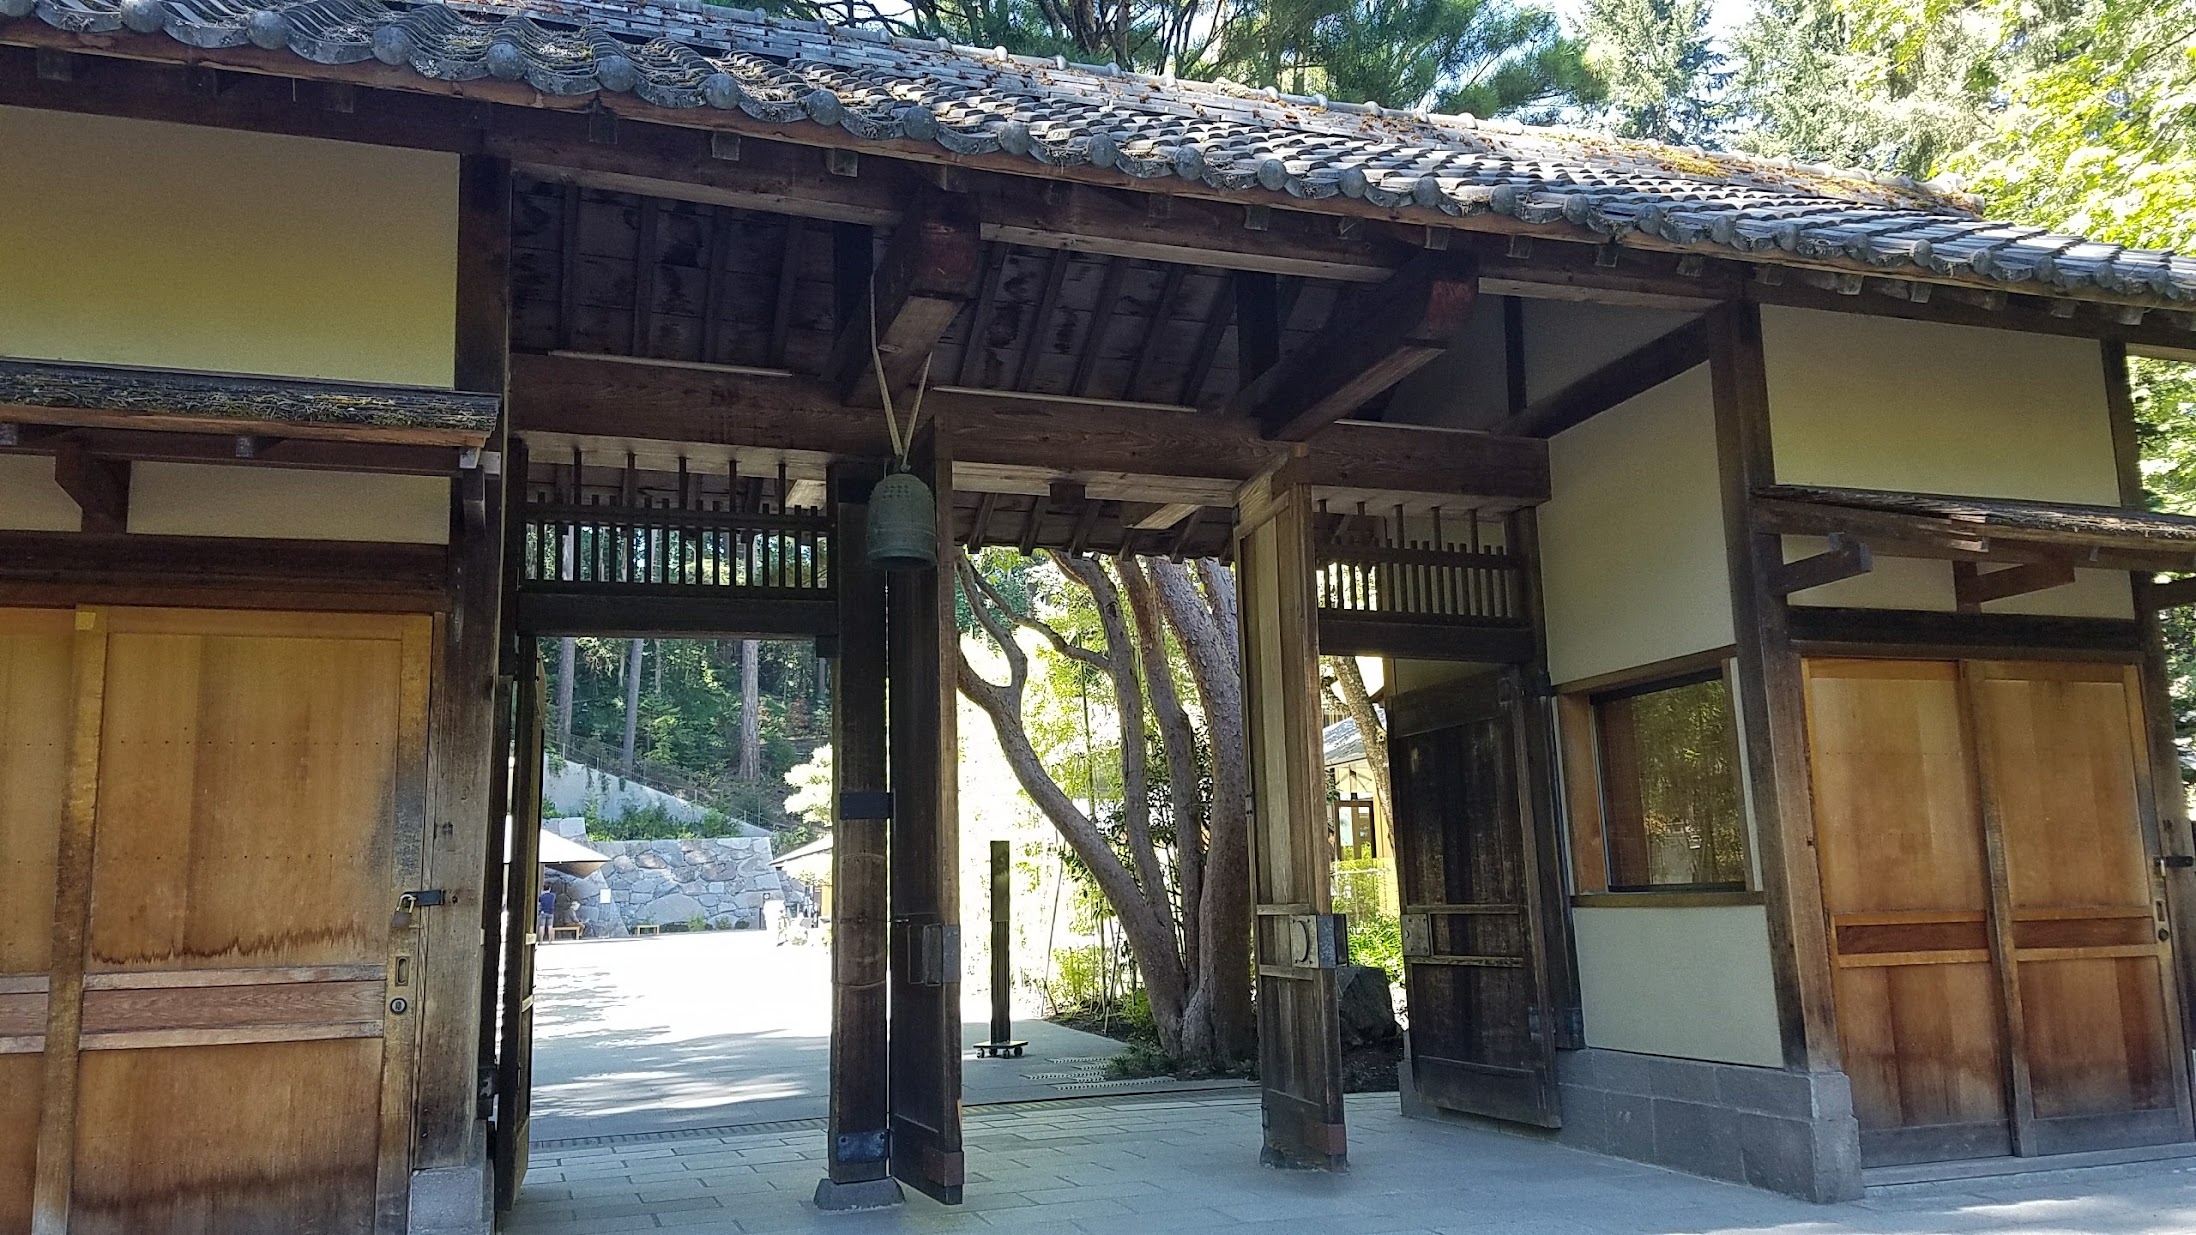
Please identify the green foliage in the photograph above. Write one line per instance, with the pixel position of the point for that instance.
(1376, 932)
(1661, 73)
(810, 800)
(654, 822)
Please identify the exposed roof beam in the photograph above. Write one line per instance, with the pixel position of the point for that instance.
(1369, 345)
(930, 269)
(218, 448)
(99, 487)
(614, 400)
(1634, 373)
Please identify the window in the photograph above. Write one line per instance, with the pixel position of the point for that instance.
(1669, 763)
(1353, 826)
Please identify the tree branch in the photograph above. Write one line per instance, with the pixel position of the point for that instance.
(1178, 739)
(1128, 692)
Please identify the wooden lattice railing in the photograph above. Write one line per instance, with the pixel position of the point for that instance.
(1420, 569)
(606, 547)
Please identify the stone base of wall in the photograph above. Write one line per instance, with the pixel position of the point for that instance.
(721, 882)
(1789, 1132)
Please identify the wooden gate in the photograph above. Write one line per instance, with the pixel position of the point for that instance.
(1298, 942)
(206, 1015)
(2002, 980)
(521, 888)
(1480, 1038)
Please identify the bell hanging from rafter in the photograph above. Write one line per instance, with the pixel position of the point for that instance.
(903, 524)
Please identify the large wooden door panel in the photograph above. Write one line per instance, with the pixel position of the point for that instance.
(2059, 750)
(237, 792)
(1906, 887)
(1480, 1041)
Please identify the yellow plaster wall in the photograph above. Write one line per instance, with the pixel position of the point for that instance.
(1694, 983)
(1631, 544)
(194, 499)
(141, 243)
(30, 501)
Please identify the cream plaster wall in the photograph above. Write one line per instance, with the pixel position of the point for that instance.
(1567, 339)
(192, 499)
(140, 243)
(1876, 403)
(1631, 544)
(30, 501)
(1694, 983)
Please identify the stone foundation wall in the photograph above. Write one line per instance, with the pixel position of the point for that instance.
(723, 881)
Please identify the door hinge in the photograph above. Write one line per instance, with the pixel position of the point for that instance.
(1317, 940)
(1417, 935)
(929, 953)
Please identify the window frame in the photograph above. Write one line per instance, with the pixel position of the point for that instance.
(1586, 787)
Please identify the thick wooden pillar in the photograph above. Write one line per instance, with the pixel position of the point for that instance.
(1772, 706)
(926, 889)
(1297, 941)
(461, 725)
(857, 1169)
(2166, 814)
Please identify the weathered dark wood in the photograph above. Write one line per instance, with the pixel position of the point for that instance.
(1394, 330)
(1973, 588)
(43, 392)
(923, 643)
(2171, 594)
(1258, 323)
(145, 445)
(481, 356)
(1916, 632)
(1628, 376)
(1513, 355)
(1033, 332)
(789, 277)
(1771, 700)
(930, 270)
(1844, 559)
(1217, 320)
(99, 487)
(1162, 311)
(1558, 952)
(860, 915)
(563, 394)
(116, 568)
(1299, 1045)
(1101, 320)
(521, 888)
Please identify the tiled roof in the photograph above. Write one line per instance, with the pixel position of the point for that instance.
(975, 101)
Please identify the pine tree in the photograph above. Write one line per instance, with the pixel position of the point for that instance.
(1663, 75)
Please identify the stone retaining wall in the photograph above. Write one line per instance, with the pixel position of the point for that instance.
(723, 881)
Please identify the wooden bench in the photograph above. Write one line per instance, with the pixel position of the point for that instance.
(573, 931)
(648, 928)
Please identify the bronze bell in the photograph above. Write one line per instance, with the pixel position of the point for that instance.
(903, 524)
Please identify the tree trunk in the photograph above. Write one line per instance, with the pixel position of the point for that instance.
(750, 710)
(632, 706)
(567, 669)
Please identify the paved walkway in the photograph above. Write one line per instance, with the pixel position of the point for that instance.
(1125, 1167)
(683, 1032)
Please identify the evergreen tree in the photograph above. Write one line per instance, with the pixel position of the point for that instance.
(1663, 75)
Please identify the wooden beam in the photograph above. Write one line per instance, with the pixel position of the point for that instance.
(1630, 375)
(1844, 559)
(1772, 703)
(1257, 324)
(930, 270)
(1403, 323)
(1826, 630)
(144, 445)
(626, 402)
(1164, 517)
(1973, 588)
(99, 487)
(117, 568)
(2173, 594)
(116, 396)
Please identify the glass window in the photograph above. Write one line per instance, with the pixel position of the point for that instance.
(1670, 786)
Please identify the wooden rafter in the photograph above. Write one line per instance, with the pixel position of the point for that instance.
(1101, 320)
(1844, 559)
(789, 270)
(1033, 335)
(716, 259)
(113, 396)
(987, 294)
(1217, 320)
(928, 272)
(1161, 311)
(1406, 322)
(1974, 587)
(1632, 374)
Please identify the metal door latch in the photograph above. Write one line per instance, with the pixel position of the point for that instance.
(421, 899)
(2176, 862)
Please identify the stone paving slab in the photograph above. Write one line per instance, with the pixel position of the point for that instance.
(1191, 1165)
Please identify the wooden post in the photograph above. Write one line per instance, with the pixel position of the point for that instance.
(2166, 819)
(857, 1174)
(923, 648)
(461, 726)
(1772, 705)
(1539, 797)
(1297, 942)
(1002, 942)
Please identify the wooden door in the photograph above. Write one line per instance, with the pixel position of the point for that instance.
(1481, 1039)
(2000, 981)
(1906, 886)
(521, 891)
(1297, 941)
(229, 1046)
(2100, 1063)
(922, 643)
(35, 707)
